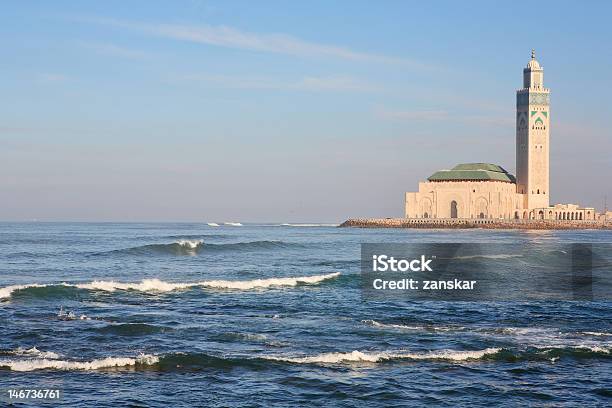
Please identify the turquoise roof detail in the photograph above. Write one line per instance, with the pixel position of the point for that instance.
(473, 172)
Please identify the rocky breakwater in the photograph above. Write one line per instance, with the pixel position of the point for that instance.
(463, 223)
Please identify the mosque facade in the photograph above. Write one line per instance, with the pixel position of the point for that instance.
(488, 191)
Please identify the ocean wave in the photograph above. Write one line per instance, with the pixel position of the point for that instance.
(29, 360)
(156, 285)
(131, 329)
(6, 291)
(212, 224)
(251, 337)
(590, 333)
(176, 237)
(233, 224)
(33, 364)
(530, 337)
(374, 323)
(31, 352)
(554, 353)
(182, 361)
(264, 283)
(376, 357)
(196, 246)
(530, 353)
(251, 246)
(182, 246)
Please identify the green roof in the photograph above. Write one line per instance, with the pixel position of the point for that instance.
(473, 172)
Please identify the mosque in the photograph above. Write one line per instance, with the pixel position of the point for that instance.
(483, 190)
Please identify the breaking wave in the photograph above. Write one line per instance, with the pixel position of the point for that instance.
(156, 285)
(522, 333)
(375, 357)
(31, 352)
(182, 246)
(97, 364)
(33, 359)
(589, 333)
(196, 246)
(374, 323)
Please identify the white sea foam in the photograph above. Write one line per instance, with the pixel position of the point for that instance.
(233, 224)
(213, 224)
(190, 243)
(156, 285)
(375, 357)
(589, 333)
(249, 336)
(263, 283)
(6, 291)
(374, 323)
(48, 363)
(146, 285)
(594, 348)
(34, 352)
(70, 315)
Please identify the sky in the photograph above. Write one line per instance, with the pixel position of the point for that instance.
(277, 111)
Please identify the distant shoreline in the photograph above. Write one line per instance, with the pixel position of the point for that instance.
(458, 223)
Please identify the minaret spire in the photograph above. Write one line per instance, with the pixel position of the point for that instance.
(533, 137)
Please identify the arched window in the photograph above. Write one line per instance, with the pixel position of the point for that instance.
(516, 215)
(425, 215)
(564, 216)
(580, 216)
(453, 209)
(572, 215)
(541, 214)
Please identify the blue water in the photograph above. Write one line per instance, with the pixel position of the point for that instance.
(133, 339)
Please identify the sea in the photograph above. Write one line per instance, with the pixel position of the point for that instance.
(262, 315)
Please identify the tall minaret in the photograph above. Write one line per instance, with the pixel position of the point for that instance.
(532, 137)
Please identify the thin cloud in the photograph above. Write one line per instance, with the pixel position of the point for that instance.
(335, 84)
(443, 115)
(229, 37)
(115, 50)
(51, 77)
(323, 84)
(412, 114)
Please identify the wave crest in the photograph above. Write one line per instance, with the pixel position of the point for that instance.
(374, 323)
(376, 357)
(195, 246)
(33, 359)
(156, 285)
(109, 362)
